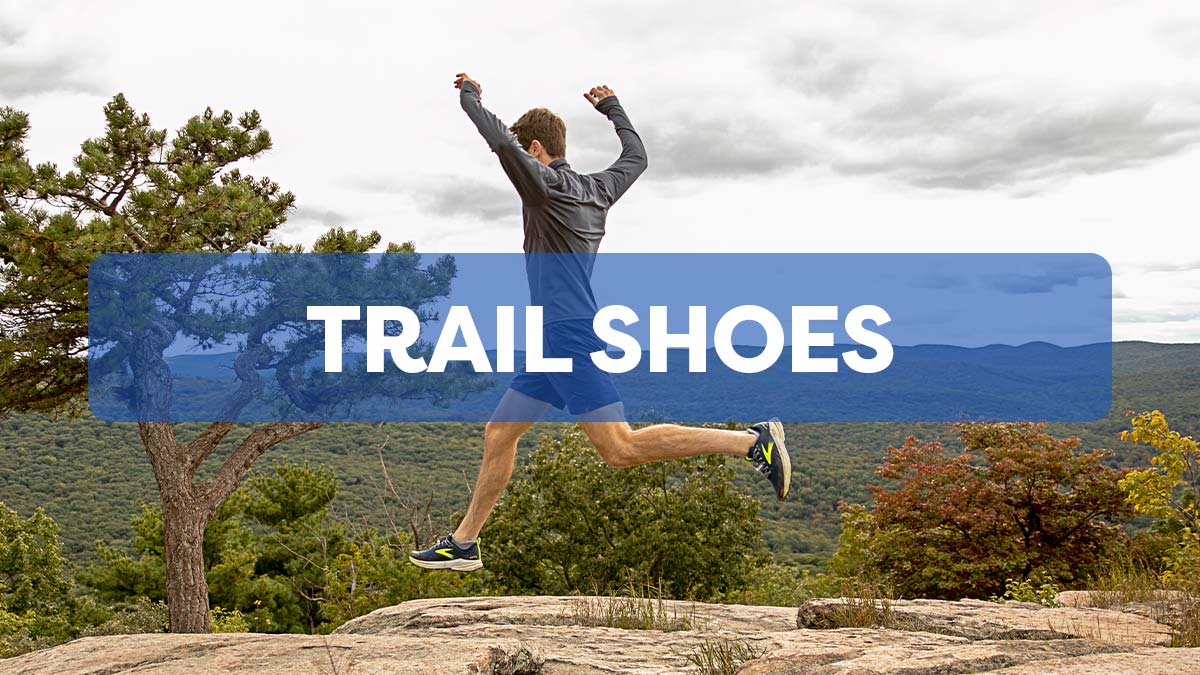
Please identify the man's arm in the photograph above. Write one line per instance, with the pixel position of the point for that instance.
(527, 174)
(632, 162)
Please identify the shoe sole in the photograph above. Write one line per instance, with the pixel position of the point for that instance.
(456, 565)
(776, 429)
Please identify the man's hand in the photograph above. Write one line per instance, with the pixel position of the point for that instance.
(462, 77)
(598, 93)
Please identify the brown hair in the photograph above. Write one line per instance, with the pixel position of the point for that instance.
(542, 125)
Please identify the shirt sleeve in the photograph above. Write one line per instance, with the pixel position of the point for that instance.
(632, 162)
(529, 176)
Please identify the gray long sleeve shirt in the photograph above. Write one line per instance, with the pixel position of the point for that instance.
(563, 211)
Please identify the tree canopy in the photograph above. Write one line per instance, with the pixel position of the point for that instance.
(133, 189)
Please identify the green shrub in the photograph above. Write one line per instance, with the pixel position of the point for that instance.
(141, 615)
(681, 525)
(227, 621)
(781, 585)
(1044, 593)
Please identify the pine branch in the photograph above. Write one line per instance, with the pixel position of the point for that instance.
(215, 490)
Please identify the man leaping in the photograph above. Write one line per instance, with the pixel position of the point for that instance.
(564, 214)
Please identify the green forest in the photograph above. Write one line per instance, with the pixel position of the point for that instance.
(91, 476)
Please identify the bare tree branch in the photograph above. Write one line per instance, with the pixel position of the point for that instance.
(215, 490)
(202, 446)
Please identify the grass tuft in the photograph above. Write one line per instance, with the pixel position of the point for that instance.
(721, 656)
(639, 607)
(865, 604)
(1174, 602)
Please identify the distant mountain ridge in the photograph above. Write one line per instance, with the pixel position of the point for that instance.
(922, 383)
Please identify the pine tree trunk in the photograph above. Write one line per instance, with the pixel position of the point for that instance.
(185, 516)
(187, 589)
(188, 506)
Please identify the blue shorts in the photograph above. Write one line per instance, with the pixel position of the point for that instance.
(586, 388)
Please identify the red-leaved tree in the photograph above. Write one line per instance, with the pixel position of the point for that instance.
(1016, 503)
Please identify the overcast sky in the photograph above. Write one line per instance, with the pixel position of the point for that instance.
(840, 126)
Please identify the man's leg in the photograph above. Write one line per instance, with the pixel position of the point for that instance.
(513, 417)
(499, 452)
(622, 446)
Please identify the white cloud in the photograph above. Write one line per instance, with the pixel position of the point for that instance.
(848, 126)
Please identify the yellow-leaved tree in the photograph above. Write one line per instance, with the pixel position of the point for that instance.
(1168, 491)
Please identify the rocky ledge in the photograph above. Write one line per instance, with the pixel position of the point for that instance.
(569, 636)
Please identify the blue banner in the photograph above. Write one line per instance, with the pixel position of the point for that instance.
(664, 337)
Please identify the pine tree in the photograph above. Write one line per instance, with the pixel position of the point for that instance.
(136, 189)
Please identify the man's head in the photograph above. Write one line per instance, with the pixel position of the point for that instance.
(543, 134)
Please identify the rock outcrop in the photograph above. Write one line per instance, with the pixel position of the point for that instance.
(560, 636)
(979, 620)
(1163, 606)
